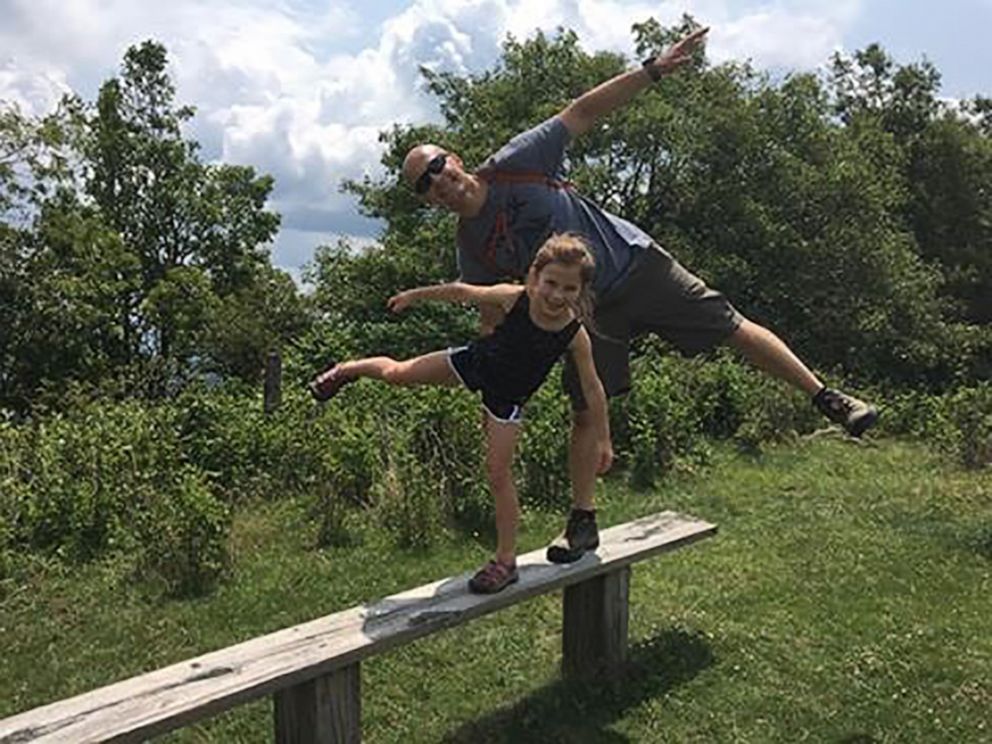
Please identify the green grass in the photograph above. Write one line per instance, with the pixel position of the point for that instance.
(846, 599)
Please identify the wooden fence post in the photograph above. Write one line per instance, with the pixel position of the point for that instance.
(594, 637)
(273, 382)
(325, 710)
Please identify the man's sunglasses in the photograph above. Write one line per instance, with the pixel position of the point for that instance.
(423, 184)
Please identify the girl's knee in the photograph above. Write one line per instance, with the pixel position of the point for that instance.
(394, 373)
(500, 474)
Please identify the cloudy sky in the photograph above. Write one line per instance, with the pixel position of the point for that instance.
(301, 88)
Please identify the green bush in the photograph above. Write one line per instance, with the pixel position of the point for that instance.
(111, 478)
(159, 481)
(958, 422)
(542, 452)
(661, 421)
(71, 479)
(408, 493)
(971, 411)
(447, 433)
(183, 536)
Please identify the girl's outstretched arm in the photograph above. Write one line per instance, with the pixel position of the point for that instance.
(592, 391)
(501, 296)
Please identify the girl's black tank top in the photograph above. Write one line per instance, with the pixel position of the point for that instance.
(518, 355)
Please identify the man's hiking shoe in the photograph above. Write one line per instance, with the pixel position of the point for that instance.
(854, 415)
(580, 536)
(327, 384)
(494, 577)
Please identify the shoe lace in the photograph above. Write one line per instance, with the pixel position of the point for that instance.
(494, 571)
(840, 403)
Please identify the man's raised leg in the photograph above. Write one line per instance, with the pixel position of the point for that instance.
(770, 354)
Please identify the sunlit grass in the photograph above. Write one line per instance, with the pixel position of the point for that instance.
(846, 598)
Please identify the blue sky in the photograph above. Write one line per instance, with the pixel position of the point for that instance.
(301, 88)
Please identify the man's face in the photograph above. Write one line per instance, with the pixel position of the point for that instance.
(437, 176)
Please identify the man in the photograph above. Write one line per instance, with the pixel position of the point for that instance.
(509, 206)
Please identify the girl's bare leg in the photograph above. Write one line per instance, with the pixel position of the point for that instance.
(501, 439)
(429, 369)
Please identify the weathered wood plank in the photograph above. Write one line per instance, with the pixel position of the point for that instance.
(594, 632)
(325, 710)
(180, 694)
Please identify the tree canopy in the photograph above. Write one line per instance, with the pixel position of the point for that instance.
(127, 263)
(851, 211)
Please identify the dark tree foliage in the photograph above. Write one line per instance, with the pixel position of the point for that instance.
(849, 212)
(127, 264)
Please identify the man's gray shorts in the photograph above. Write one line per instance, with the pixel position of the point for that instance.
(659, 296)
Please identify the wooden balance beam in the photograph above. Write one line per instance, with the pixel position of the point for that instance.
(313, 670)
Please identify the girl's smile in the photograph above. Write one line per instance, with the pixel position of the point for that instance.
(554, 294)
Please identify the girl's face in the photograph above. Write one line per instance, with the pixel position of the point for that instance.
(557, 288)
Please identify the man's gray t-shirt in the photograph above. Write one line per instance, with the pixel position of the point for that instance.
(518, 216)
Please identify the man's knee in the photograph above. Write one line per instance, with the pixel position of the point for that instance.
(743, 335)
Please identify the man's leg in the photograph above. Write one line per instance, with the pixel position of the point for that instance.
(768, 352)
(610, 352)
(664, 298)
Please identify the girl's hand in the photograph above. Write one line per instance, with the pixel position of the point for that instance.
(604, 455)
(401, 301)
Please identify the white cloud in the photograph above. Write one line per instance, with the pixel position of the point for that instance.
(272, 92)
(34, 92)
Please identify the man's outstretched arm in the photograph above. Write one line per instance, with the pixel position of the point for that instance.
(580, 115)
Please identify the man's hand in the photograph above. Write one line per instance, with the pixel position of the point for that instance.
(681, 51)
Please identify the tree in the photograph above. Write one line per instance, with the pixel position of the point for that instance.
(947, 162)
(795, 210)
(123, 256)
(170, 209)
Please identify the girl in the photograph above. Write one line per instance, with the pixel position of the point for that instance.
(541, 320)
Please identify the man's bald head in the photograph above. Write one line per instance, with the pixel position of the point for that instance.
(415, 162)
(445, 182)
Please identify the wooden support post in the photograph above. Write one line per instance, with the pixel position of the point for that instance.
(273, 382)
(325, 710)
(594, 638)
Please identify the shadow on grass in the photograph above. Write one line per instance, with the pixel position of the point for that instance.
(575, 712)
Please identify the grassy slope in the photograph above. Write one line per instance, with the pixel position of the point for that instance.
(847, 598)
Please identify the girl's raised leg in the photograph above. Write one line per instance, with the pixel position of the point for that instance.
(429, 369)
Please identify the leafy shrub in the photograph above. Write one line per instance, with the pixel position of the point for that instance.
(542, 453)
(183, 536)
(958, 422)
(661, 422)
(72, 479)
(447, 433)
(106, 478)
(971, 411)
(408, 494)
